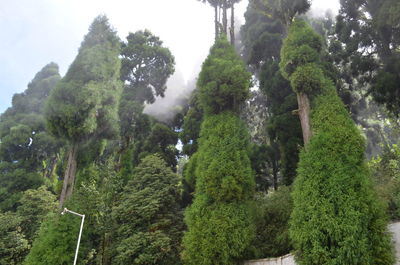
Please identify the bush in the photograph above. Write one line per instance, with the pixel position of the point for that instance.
(385, 170)
(272, 234)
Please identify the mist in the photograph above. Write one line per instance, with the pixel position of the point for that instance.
(177, 94)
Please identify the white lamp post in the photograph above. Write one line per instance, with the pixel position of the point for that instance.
(80, 231)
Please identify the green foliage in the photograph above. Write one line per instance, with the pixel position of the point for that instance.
(386, 171)
(273, 213)
(84, 102)
(261, 35)
(191, 125)
(301, 47)
(33, 209)
(33, 98)
(162, 141)
(155, 138)
(284, 10)
(221, 219)
(337, 217)
(307, 78)
(56, 241)
(26, 149)
(99, 189)
(218, 233)
(283, 126)
(223, 169)
(19, 229)
(14, 181)
(148, 219)
(367, 48)
(13, 244)
(133, 123)
(262, 38)
(146, 66)
(262, 159)
(386, 85)
(223, 80)
(96, 191)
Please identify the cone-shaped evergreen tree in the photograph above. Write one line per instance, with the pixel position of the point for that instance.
(220, 220)
(84, 103)
(337, 217)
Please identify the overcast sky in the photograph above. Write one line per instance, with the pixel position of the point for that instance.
(36, 32)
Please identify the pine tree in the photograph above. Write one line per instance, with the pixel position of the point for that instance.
(84, 103)
(220, 220)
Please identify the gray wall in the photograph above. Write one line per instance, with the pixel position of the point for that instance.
(284, 260)
(394, 228)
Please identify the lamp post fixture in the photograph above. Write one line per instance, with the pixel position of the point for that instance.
(80, 231)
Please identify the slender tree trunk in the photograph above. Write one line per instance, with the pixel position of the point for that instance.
(105, 257)
(304, 114)
(232, 29)
(225, 17)
(275, 175)
(216, 22)
(69, 175)
(48, 171)
(53, 166)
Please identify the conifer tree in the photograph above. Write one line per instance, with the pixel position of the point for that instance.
(367, 48)
(146, 67)
(220, 220)
(56, 240)
(96, 190)
(84, 103)
(35, 205)
(149, 220)
(13, 244)
(262, 36)
(28, 154)
(337, 217)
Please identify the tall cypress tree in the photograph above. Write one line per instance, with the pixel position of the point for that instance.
(84, 103)
(220, 220)
(337, 217)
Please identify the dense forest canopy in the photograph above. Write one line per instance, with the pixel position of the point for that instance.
(285, 142)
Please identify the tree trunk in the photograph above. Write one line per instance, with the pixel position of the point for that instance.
(275, 175)
(304, 114)
(225, 17)
(105, 257)
(69, 175)
(49, 171)
(216, 22)
(232, 29)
